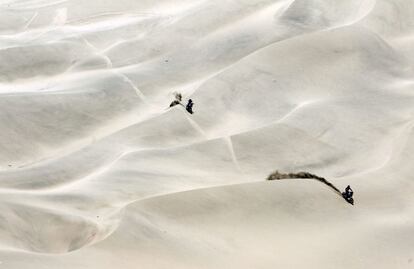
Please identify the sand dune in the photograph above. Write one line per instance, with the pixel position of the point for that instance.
(97, 172)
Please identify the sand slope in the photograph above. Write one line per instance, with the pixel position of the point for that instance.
(96, 172)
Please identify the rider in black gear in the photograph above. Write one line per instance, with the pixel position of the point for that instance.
(349, 191)
(189, 106)
(348, 195)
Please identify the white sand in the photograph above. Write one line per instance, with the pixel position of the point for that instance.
(96, 173)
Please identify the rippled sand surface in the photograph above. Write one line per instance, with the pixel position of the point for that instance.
(97, 173)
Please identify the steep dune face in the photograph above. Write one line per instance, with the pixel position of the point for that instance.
(57, 119)
(97, 172)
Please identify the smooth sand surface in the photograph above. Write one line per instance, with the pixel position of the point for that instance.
(97, 173)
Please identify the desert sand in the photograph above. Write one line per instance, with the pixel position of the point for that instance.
(97, 172)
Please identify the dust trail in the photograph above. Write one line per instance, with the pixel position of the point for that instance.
(278, 176)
